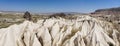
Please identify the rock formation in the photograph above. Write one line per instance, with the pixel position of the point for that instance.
(82, 31)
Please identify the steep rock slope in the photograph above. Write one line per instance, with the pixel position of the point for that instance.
(82, 31)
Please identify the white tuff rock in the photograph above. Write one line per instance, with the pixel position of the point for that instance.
(82, 31)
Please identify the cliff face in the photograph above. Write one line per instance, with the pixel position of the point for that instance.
(83, 31)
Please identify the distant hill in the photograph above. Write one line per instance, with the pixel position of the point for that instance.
(11, 11)
(108, 11)
(47, 13)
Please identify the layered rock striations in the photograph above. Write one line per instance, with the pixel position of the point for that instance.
(82, 31)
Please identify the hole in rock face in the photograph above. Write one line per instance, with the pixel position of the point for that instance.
(111, 36)
(119, 23)
(85, 41)
(110, 20)
(110, 44)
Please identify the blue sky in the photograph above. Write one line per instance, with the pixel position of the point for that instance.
(45, 6)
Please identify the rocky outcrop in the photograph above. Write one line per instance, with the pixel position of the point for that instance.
(82, 31)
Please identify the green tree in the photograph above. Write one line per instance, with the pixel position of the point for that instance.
(27, 16)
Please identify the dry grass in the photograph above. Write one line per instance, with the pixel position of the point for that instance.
(8, 19)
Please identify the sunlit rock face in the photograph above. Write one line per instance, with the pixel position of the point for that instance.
(82, 31)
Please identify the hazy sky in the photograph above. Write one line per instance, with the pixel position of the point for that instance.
(44, 6)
